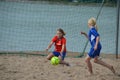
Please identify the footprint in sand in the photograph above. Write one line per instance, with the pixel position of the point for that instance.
(70, 76)
(103, 79)
(67, 72)
(76, 64)
(118, 75)
(2, 67)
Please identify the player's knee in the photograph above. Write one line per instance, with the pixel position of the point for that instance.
(47, 58)
(95, 60)
(87, 60)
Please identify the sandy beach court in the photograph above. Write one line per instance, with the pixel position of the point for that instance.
(28, 67)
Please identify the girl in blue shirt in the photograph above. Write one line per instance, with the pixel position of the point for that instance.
(94, 38)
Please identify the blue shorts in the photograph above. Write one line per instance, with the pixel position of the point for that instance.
(93, 53)
(58, 54)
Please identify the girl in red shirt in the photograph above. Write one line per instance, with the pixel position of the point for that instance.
(60, 46)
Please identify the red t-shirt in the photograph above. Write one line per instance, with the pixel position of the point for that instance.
(58, 43)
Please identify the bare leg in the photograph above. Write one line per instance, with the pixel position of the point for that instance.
(96, 60)
(89, 65)
(63, 62)
(50, 56)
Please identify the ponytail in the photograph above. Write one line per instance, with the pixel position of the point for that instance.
(92, 21)
(96, 27)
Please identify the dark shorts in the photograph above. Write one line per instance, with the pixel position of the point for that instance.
(58, 54)
(93, 53)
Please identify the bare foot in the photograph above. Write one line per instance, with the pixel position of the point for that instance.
(112, 69)
(67, 64)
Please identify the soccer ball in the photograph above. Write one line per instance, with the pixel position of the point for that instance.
(55, 60)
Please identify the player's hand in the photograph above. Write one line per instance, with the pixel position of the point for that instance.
(95, 48)
(61, 54)
(82, 32)
(60, 57)
(46, 49)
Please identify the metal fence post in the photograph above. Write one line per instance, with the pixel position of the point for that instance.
(117, 31)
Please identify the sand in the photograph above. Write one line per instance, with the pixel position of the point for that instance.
(28, 67)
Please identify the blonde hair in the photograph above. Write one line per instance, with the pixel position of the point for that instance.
(92, 21)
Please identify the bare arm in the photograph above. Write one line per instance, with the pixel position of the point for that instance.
(97, 41)
(83, 33)
(49, 46)
(63, 47)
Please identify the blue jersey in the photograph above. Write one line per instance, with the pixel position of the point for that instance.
(93, 34)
